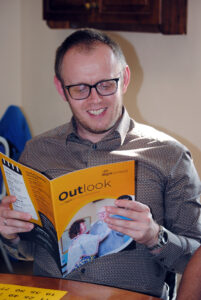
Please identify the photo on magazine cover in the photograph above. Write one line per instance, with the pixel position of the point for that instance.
(87, 236)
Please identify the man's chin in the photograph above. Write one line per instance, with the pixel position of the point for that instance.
(95, 130)
(99, 130)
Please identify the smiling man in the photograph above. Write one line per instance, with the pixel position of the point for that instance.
(93, 82)
(92, 76)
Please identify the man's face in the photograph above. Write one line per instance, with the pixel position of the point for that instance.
(96, 115)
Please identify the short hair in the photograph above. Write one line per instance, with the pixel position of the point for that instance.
(86, 38)
(75, 228)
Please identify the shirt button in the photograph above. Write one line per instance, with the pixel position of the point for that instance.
(94, 146)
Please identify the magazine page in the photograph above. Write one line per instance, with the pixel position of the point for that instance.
(74, 200)
(31, 188)
(33, 195)
(80, 198)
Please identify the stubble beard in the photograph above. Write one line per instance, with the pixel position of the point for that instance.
(92, 130)
(81, 124)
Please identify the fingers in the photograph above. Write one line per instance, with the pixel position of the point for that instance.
(14, 226)
(8, 213)
(133, 205)
(127, 229)
(7, 200)
(130, 209)
(12, 221)
(134, 219)
(7, 230)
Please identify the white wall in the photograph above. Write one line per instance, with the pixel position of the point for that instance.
(10, 49)
(165, 90)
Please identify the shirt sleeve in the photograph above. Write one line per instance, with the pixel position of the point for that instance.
(182, 217)
(21, 250)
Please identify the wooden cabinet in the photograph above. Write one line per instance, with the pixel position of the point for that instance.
(165, 16)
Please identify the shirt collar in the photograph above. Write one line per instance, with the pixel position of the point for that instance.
(123, 126)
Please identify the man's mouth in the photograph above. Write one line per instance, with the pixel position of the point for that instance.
(96, 112)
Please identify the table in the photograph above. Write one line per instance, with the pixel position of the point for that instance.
(76, 290)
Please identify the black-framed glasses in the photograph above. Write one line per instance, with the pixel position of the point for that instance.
(83, 90)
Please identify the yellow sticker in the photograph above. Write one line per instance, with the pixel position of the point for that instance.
(18, 292)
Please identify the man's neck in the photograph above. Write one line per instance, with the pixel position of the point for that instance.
(92, 137)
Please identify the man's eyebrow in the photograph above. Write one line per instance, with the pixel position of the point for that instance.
(84, 83)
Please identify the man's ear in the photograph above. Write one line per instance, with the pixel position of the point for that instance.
(59, 88)
(126, 78)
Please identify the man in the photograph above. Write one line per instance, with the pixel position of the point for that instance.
(190, 286)
(92, 76)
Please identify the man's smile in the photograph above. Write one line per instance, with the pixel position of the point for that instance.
(96, 112)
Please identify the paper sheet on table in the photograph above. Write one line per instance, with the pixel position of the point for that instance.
(11, 291)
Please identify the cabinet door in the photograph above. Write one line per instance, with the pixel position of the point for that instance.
(63, 9)
(130, 12)
(166, 16)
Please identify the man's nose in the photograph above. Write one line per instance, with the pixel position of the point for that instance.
(94, 96)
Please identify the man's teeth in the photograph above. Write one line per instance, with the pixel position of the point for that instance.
(96, 112)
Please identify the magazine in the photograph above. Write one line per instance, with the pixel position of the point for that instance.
(69, 211)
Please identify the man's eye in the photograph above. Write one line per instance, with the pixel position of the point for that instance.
(106, 85)
(80, 89)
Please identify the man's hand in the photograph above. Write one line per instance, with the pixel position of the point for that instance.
(141, 226)
(12, 221)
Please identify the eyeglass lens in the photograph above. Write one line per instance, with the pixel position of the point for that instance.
(103, 88)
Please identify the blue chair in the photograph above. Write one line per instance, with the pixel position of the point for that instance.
(14, 133)
(14, 128)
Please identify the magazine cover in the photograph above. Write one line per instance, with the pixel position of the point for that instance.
(69, 211)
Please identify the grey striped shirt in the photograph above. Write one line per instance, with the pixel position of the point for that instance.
(166, 181)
